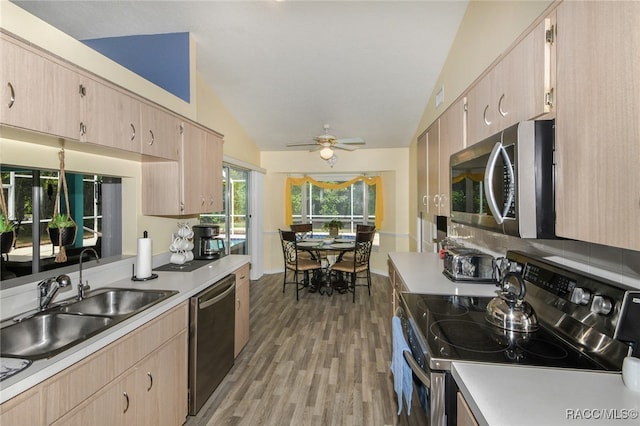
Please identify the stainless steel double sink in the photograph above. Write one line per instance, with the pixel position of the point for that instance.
(71, 322)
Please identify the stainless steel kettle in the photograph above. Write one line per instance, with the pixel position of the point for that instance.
(509, 310)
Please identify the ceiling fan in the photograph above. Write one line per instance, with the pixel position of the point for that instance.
(327, 143)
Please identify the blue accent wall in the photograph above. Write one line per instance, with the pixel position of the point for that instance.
(160, 58)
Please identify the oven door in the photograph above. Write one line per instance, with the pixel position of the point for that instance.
(432, 385)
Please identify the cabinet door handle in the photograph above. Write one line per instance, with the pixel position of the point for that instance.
(83, 129)
(133, 132)
(126, 398)
(12, 98)
(150, 381)
(424, 200)
(500, 110)
(153, 138)
(82, 90)
(238, 300)
(484, 116)
(436, 200)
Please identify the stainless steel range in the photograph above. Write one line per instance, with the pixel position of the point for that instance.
(570, 319)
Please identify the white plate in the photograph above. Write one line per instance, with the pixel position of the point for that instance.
(342, 245)
(344, 240)
(307, 244)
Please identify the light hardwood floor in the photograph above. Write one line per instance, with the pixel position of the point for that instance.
(319, 361)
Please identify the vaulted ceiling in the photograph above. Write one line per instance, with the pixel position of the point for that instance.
(285, 68)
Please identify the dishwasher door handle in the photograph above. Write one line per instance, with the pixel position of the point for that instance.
(207, 303)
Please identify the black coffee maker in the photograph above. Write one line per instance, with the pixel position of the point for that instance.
(207, 243)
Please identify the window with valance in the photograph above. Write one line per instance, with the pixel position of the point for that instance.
(351, 200)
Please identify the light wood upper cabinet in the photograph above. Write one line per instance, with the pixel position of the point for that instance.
(518, 88)
(452, 139)
(433, 170)
(242, 309)
(423, 182)
(213, 172)
(109, 117)
(193, 184)
(160, 133)
(598, 123)
(37, 94)
(193, 163)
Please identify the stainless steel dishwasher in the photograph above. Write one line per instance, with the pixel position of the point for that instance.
(211, 338)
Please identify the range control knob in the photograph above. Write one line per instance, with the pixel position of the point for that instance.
(601, 305)
(580, 296)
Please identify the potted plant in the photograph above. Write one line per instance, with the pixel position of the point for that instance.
(7, 227)
(333, 227)
(62, 228)
(7, 234)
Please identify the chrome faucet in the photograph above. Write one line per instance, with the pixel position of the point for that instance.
(82, 286)
(48, 288)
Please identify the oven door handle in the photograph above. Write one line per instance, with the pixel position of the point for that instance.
(419, 372)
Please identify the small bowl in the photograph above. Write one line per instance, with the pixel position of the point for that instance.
(328, 240)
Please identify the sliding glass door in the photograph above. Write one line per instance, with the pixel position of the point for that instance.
(234, 219)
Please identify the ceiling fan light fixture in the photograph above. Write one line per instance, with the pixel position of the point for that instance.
(326, 153)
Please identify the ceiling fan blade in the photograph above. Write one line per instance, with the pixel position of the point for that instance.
(345, 147)
(302, 144)
(352, 141)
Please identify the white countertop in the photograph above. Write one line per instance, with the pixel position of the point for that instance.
(507, 395)
(187, 283)
(422, 273)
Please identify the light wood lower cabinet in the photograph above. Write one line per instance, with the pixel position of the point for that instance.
(242, 308)
(149, 364)
(23, 409)
(465, 416)
(145, 394)
(397, 287)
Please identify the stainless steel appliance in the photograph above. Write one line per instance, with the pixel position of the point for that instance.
(467, 264)
(207, 243)
(211, 339)
(583, 322)
(505, 183)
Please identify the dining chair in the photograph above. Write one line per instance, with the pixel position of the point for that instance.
(303, 230)
(359, 228)
(358, 265)
(365, 228)
(294, 264)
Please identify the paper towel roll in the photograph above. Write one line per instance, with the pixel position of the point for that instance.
(143, 261)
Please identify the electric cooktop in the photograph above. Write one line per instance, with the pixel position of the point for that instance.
(454, 329)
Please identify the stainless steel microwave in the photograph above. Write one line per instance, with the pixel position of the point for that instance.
(505, 183)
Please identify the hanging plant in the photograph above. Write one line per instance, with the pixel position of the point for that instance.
(62, 228)
(7, 227)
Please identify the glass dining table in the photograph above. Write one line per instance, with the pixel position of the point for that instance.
(327, 251)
